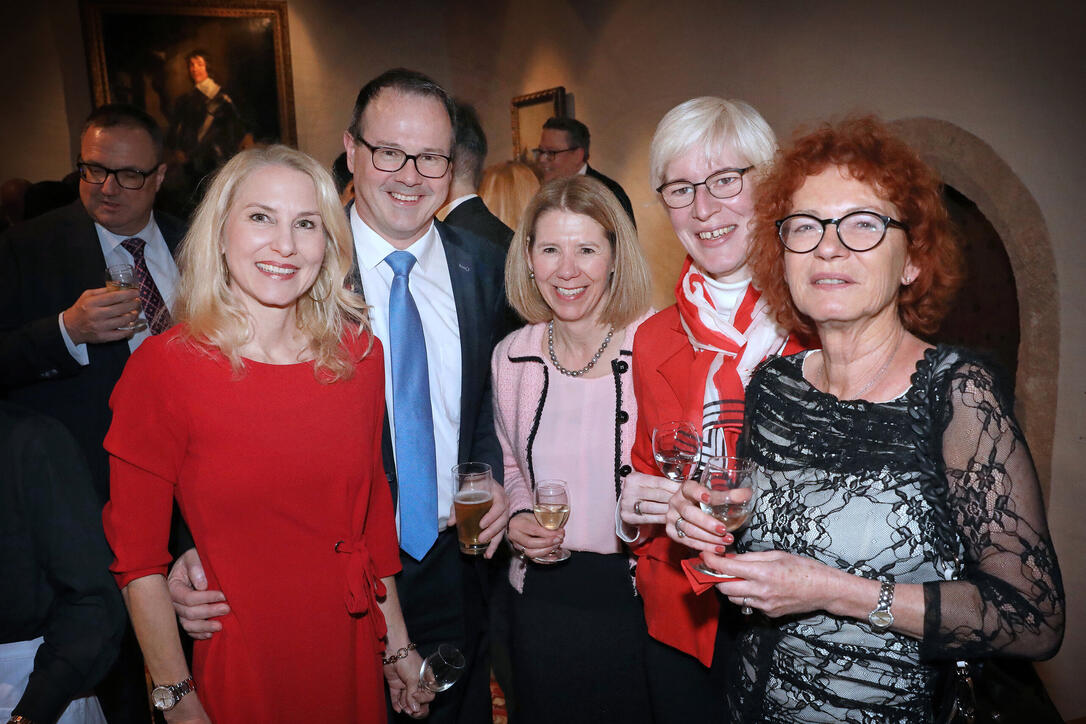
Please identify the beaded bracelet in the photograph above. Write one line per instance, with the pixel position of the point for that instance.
(518, 512)
(400, 654)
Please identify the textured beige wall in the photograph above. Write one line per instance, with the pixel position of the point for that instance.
(1009, 74)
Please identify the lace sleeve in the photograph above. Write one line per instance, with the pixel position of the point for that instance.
(1009, 600)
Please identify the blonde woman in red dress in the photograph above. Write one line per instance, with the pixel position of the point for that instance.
(261, 414)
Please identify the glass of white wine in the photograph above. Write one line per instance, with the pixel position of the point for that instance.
(550, 505)
(123, 276)
(675, 446)
(441, 669)
(731, 496)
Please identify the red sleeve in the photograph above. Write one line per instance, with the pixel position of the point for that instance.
(379, 530)
(146, 443)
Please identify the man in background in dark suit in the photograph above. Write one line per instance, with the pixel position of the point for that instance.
(399, 150)
(563, 151)
(465, 209)
(63, 342)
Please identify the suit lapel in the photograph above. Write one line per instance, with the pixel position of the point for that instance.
(675, 371)
(466, 297)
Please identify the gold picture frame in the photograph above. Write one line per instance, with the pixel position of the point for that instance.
(529, 113)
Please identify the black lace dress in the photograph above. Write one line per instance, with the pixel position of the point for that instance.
(863, 487)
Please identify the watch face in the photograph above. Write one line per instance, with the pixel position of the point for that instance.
(163, 698)
(881, 619)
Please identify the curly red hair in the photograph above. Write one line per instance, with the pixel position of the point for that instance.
(874, 155)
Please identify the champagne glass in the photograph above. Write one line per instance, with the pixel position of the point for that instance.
(123, 276)
(675, 446)
(731, 497)
(551, 509)
(441, 669)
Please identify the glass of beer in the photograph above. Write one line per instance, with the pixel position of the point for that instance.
(550, 505)
(123, 276)
(472, 500)
(731, 496)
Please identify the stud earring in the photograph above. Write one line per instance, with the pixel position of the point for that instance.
(531, 274)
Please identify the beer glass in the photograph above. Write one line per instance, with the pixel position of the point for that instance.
(472, 500)
(123, 276)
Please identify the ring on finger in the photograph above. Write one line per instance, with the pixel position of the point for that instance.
(637, 508)
(678, 528)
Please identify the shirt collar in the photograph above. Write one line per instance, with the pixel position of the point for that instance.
(372, 247)
(456, 202)
(583, 170)
(114, 240)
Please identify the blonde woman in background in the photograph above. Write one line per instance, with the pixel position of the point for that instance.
(261, 412)
(506, 190)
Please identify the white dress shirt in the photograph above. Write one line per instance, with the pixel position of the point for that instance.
(431, 288)
(159, 262)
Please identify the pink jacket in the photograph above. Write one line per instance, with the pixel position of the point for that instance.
(520, 382)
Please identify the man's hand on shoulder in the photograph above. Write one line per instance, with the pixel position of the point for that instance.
(98, 315)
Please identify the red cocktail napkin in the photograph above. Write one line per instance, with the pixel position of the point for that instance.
(701, 582)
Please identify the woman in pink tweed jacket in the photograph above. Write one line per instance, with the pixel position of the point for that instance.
(564, 408)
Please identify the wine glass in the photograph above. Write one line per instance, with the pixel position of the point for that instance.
(731, 497)
(675, 446)
(551, 508)
(441, 669)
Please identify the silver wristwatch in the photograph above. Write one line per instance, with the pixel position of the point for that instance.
(166, 696)
(881, 618)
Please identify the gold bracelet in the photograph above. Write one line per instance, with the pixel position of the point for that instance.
(400, 654)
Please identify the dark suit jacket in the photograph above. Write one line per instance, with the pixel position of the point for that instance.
(45, 264)
(477, 273)
(615, 189)
(474, 216)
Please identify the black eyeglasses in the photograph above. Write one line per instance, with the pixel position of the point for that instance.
(127, 178)
(541, 153)
(390, 160)
(723, 184)
(858, 231)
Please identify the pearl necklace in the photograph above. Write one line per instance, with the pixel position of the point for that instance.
(587, 367)
(877, 376)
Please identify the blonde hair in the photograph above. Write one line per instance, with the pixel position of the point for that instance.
(710, 123)
(213, 315)
(631, 284)
(507, 188)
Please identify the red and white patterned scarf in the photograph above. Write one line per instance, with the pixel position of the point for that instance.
(728, 345)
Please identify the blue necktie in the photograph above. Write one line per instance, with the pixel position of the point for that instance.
(416, 463)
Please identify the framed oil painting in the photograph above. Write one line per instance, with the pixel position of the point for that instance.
(529, 113)
(216, 77)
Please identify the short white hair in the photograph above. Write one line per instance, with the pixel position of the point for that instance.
(710, 124)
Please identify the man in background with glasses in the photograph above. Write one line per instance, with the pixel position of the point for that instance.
(563, 152)
(399, 149)
(62, 342)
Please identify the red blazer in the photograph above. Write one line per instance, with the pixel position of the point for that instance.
(665, 390)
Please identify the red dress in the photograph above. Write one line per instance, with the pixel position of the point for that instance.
(271, 470)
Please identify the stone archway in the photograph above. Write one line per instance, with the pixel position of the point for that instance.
(972, 167)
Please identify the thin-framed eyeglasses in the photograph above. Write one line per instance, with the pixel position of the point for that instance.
(723, 184)
(391, 160)
(541, 153)
(127, 178)
(857, 231)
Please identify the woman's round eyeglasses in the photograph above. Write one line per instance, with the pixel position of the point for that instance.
(858, 231)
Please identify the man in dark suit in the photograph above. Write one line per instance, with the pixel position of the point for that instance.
(399, 149)
(466, 210)
(63, 335)
(563, 151)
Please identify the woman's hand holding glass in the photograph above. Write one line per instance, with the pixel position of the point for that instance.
(530, 538)
(404, 688)
(688, 524)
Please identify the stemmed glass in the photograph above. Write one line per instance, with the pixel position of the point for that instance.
(731, 497)
(550, 505)
(441, 669)
(675, 446)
